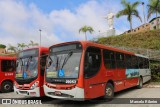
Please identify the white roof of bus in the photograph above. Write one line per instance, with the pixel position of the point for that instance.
(141, 55)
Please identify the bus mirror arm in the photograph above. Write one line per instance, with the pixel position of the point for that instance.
(42, 72)
(17, 64)
(42, 65)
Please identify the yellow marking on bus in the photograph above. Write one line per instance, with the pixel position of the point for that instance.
(51, 74)
(18, 75)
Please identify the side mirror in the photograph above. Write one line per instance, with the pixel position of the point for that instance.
(49, 64)
(43, 64)
(17, 64)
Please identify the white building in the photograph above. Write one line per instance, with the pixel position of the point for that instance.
(153, 23)
(110, 32)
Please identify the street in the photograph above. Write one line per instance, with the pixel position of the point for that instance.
(129, 93)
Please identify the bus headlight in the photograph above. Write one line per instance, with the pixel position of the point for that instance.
(34, 85)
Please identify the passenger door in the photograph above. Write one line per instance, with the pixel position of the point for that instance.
(120, 71)
(92, 77)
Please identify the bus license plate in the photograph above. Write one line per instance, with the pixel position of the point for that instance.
(58, 93)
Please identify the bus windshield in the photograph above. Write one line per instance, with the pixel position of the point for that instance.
(64, 63)
(27, 67)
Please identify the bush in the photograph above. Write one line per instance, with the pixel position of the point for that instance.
(146, 39)
(2, 46)
(155, 71)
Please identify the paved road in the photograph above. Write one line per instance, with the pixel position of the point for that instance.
(129, 93)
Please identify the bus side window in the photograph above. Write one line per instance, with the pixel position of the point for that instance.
(134, 62)
(120, 60)
(146, 63)
(140, 62)
(7, 66)
(92, 61)
(109, 59)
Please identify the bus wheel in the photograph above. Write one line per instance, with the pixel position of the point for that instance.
(109, 91)
(140, 85)
(6, 87)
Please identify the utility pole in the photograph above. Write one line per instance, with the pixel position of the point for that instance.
(157, 15)
(99, 34)
(144, 13)
(40, 37)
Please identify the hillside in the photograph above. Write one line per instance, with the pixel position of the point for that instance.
(147, 40)
(9, 54)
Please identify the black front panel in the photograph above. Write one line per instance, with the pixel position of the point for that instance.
(61, 81)
(24, 81)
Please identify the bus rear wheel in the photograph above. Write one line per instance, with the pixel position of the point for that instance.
(109, 91)
(140, 85)
(6, 87)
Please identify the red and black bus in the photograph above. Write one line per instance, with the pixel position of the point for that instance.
(30, 69)
(7, 73)
(88, 70)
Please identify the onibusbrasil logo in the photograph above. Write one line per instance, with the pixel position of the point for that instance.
(20, 101)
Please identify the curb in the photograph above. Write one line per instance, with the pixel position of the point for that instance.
(151, 86)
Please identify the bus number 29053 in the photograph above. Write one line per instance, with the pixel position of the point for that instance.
(70, 81)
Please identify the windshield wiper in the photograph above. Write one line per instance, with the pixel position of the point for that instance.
(49, 63)
(66, 59)
(30, 58)
(56, 61)
(20, 61)
(27, 66)
(21, 65)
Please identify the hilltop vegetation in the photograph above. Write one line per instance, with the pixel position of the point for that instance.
(147, 40)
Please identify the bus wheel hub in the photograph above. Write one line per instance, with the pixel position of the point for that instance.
(109, 91)
(6, 87)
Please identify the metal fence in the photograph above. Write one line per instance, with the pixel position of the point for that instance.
(152, 54)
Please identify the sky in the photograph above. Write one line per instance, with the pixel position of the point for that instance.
(59, 20)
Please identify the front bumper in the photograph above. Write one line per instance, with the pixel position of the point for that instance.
(35, 92)
(73, 94)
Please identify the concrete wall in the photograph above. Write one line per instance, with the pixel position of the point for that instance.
(141, 28)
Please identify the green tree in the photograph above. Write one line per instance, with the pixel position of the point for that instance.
(32, 43)
(12, 48)
(84, 29)
(130, 10)
(22, 46)
(2, 46)
(154, 8)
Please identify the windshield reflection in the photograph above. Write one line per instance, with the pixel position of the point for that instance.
(63, 65)
(27, 67)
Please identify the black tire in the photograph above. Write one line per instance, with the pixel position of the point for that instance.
(6, 87)
(109, 91)
(140, 85)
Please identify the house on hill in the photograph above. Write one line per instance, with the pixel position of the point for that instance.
(2, 51)
(153, 23)
(141, 28)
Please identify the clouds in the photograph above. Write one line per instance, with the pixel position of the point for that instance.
(86, 14)
(20, 22)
